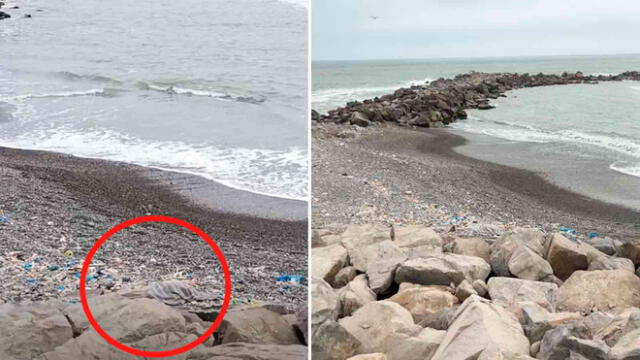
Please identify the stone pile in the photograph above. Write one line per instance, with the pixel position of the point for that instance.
(444, 101)
(407, 292)
(56, 330)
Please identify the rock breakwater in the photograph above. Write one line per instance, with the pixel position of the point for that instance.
(444, 101)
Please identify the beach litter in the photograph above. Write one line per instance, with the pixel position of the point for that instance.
(292, 279)
(4, 220)
(593, 235)
(568, 231)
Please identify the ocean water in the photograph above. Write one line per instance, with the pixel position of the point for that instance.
(599, 121)
(213, 88)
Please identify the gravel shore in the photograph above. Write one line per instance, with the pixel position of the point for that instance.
(389, 174)
(53, 208)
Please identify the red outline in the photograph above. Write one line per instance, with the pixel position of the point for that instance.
(171, 220)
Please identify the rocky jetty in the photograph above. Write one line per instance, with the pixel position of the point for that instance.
(57, 330)
(445, 100)
(408, 292)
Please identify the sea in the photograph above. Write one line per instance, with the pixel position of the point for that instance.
(213, 88)
(582, 137)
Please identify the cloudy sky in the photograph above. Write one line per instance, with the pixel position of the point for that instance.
(415, 29)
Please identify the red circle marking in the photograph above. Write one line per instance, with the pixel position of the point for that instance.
(170, 220)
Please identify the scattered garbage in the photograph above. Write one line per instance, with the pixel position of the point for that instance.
(54, 267)
(68, 253)
(457, 219)
(593, 235)
(27, 266)
(568, 231)
(292, 279)
(4, 220)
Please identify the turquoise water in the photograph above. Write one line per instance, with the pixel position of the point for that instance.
(600, 120)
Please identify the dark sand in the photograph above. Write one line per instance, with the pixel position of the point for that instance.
(392, 174)
(49, 197)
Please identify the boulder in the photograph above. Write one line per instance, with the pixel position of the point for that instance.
(583, 291)
(536, 320)
(508, 292)
(359, 236)
(324, 303)
(619, 326)
(419, 347)
(526, 264)
(355, 295)
(500, 354)
(443, 269)
(241, 351)
(380, 262)
(327, 261)
(374, 356)
(417, 240)
(425, 300)
(509, 242)
(257, 325)
(628, 347)
(331, 341)
(380, 326)
(27, 331)
(565, 257)
(481, 325)
(472, 247)
(344, 276)
(360, 119)
(480, 287)
(302, 319)
(464, 290)
(440, 320)
(565, 342)
(605, 245)
(630, 250)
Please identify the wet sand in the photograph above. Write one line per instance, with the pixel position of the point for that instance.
(391, 174)
(48, 197)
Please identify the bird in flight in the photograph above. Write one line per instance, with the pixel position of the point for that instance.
(375, 17)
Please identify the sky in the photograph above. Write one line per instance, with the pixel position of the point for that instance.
(423, 29)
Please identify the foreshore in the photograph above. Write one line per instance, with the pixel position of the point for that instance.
(54, 203)
(390, 174)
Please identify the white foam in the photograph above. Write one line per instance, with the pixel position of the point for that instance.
(90, 92)
(626, 167)
(518, 132)
(264, 171)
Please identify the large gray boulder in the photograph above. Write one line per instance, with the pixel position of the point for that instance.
(481, 325)
(584, 291)
(27, 331)
(355, 295)
(567, 342)
(327, 261)
(386, 327)
(503, 248)
(565, 257)
(331, 341)
(508, 292)
(628, 347)
(423, 301)
(472, 247)
(324, 303)
(242, 351)
(358, 236)
(537, 320)
(257, 325)
(526, 264)
(380, 262)
(443, 269)
(417, 240)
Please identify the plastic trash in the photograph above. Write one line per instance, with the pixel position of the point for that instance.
(568, 231)
(4, 219)
(457, 219)
(292, 279)
(54, 267)
(593, 235)
(60, 288)
(126, 279)
(27, 266)
(68, 253)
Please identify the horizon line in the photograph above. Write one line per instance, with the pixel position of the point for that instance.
(472, 57)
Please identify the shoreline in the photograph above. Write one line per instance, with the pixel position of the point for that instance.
(66, 203)
(404, 173)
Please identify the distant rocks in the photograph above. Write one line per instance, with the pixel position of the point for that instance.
(445, 100)
(4, 15)
(525, 294)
